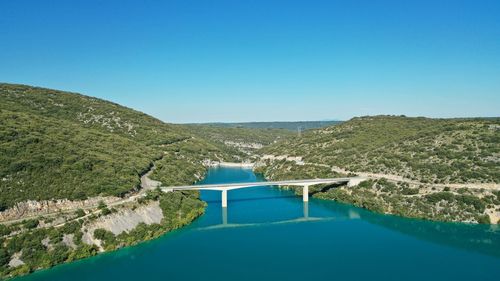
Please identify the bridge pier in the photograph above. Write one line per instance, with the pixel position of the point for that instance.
(224, 198)
(305, 209)
(305, 193)
(224, 188)
(224, 216)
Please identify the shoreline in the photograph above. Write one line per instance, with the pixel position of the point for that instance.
(248, 165)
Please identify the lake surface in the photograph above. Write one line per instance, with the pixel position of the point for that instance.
(269, 234)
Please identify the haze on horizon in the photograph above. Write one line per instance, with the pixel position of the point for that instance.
(220, 61)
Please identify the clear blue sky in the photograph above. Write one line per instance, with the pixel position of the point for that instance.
(193, 61)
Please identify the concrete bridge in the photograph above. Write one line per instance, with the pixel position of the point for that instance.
(305, 184)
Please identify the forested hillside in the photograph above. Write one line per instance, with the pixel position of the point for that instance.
(241, 142)
(56, 144)
(423, 149)
(439, 169)
(59, 145)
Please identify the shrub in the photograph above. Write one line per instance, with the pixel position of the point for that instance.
(80, 213)
(4, 230)
(4, 257)
(474, 201)
(409, 191)
(433, 198)
(30, 224)
(101, 205)
(105, 236)
(484, 219)
(105, 211)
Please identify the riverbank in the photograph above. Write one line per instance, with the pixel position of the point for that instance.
(245, 165)
(152, 216)
(396, 195)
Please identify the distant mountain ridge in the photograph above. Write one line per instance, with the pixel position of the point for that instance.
(287, 125)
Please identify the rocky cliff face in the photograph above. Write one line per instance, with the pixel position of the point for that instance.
(128, 219)
(32, 208)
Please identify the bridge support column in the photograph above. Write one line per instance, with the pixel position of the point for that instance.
(224, 216)
(305, 193)
(306, 209)
(224, 198)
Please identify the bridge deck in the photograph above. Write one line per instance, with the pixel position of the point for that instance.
(228, 186)
(225, 187)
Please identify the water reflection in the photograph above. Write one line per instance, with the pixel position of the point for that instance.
(483, 239)
(306, 209)
(304, 218)
(224, 216)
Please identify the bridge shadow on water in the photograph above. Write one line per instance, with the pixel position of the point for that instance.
(217, 201)
(264, 224)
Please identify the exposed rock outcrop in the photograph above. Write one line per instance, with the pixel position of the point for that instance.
(68, 241)
(15, 260)
(33, 208)
(47, 244)
(127, 219)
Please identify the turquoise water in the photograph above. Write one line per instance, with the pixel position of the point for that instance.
(269, 234)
